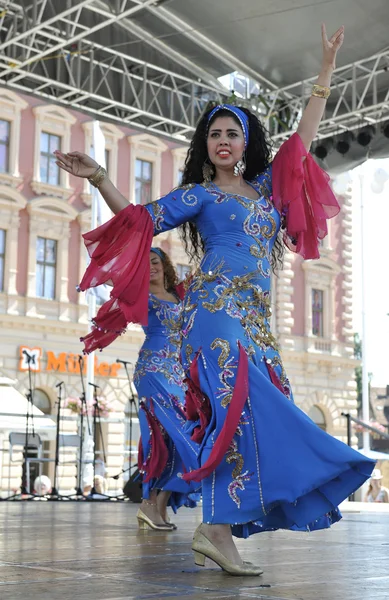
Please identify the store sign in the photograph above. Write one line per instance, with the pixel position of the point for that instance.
(30, 357)
(64, 362)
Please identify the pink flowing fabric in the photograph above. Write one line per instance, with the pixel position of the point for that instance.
(180, 290)
(234, 411)
(301, 193)
(140, 455)
(119, 252)
(158, 455)
(197, 405)
(274, 378)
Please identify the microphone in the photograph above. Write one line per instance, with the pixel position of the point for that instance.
(80, 358)
(123, 362)
(122, 471)
(59, 384)
(97, 387)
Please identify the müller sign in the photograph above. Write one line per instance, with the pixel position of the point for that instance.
(64, 362)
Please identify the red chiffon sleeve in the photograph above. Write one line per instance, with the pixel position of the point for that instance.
(303, 196)
(119, 252)
(180, 290)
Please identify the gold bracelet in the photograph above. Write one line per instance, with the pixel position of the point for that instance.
(321, 91)
(98, 177)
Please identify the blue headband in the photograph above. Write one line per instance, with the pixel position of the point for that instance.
(157, 251)
(242, 117)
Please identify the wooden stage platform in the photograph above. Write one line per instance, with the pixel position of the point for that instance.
(94, 551)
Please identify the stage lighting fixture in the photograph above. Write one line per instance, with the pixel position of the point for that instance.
(343, 142)
(365, 135)
(323, 148)
(385, 129)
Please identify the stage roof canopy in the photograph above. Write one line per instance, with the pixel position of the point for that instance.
(156, 65)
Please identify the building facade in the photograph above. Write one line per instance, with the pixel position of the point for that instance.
(43, 213)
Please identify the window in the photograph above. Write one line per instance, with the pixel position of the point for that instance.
(42, 401)
(107, 157)
(320, 326)
(2, 258)
(53, 126)
(11, 108)
(145, 167)
(180, 173)
(49, 171)
(179, 156)
(4, 146)
(46, 267)
(317, 312)
(49, 265)
(317, 416)
(143, 181)
(106, 153)
(182, 271)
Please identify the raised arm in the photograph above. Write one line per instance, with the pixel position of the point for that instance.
(314, 111)
(301, 190)
(82, 165)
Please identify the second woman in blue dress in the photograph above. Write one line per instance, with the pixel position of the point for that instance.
(165, 445)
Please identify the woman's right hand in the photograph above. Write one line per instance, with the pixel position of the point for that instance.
(76, 163)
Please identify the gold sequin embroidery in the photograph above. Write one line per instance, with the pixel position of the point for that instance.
(225, 350)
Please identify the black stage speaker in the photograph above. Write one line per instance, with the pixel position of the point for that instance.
(133, 487)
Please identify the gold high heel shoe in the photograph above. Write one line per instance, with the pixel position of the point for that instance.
(146, 523)
(203, 548)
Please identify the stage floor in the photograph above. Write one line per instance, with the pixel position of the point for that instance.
(62, 551)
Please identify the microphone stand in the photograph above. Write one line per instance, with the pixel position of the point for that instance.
(30, 403)
(95, 411)
(97, 415)
(54, 495)
(79, 493)
(24, 493)
(133, 407)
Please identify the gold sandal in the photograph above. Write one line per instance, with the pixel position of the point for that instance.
(146, 523)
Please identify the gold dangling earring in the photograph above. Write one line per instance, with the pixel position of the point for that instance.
(208, 171)
(240, 167)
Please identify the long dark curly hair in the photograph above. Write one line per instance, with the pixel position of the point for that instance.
(170, 273)
(258, 157)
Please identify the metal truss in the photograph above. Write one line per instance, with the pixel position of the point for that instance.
(359, 97)
(55, 50)
(58, 58)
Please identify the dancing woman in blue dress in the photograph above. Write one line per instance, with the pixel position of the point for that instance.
(165, 449)
(263, 464)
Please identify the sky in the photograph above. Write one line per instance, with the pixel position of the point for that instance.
(376, 273)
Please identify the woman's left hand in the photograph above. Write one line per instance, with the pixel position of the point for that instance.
(331, 46)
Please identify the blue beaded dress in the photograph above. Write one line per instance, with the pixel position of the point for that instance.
(158, 379)
(280, 470)
(263, 463)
